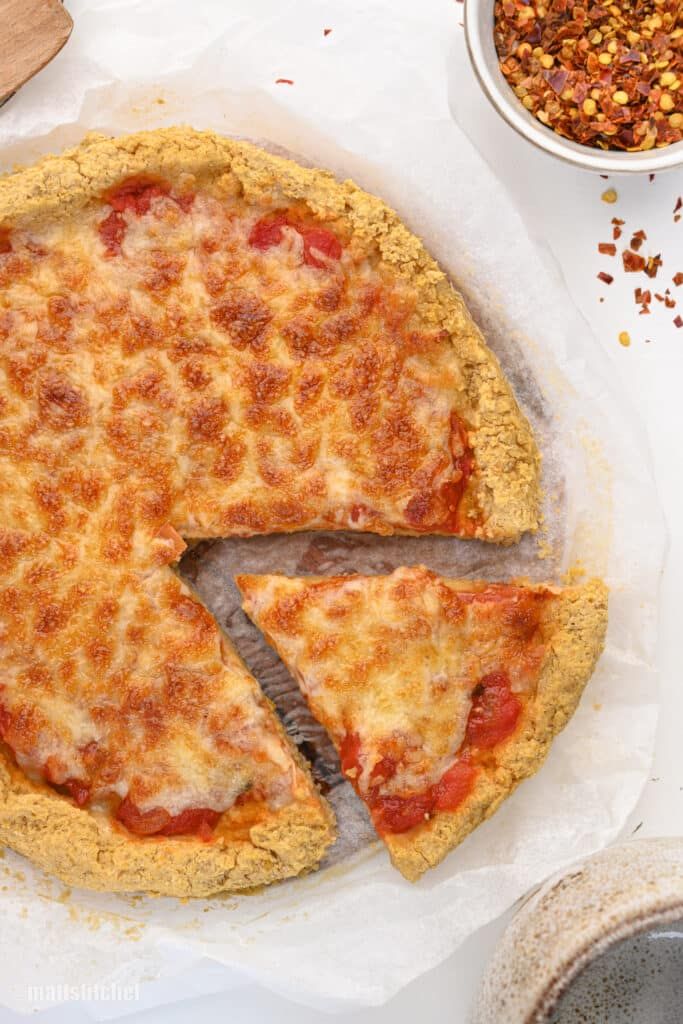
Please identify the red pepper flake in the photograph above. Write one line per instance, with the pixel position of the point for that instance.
(326, 31)
(637, 240)
(607, 248)
(633, 263)
(679, 204)
(669, 302)
(653, 265)
(678, 320)
(651, 177)
(284, 81)
(607, 278)
(678, 279)
(623, 61)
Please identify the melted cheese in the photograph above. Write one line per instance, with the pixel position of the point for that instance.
(161, 374)
(395, 660)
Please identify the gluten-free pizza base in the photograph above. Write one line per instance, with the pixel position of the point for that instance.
(551, 652)
(198, 339)
(90, 851)
(573, 653)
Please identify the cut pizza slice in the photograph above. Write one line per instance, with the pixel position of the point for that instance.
(440, 695)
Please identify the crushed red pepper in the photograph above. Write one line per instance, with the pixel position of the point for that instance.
(607, 248)
(607, 75)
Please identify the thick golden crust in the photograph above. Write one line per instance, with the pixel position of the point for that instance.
(88, 850)
(574, 646)
(392, 665)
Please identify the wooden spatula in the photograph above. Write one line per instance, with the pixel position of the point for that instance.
(32, 32)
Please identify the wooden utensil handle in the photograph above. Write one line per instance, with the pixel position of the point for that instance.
(32, 32)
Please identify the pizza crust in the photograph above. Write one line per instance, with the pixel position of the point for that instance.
(88, 850)
(507, 459)
(83, 847)
(574, 648)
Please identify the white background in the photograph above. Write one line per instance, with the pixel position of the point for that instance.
(564, 211)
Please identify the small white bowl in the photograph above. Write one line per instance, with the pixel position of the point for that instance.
(482, 51)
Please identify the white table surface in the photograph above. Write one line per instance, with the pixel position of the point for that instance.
(569, 216)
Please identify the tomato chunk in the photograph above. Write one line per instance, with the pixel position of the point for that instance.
(319, 240)
(80, 791)
(267, 232)
(320, 244)
(136, 194)
(112, 231)
(454, 785)
(349, 753)
(158, 822)
(142, 823)
(494, 712)
(197, 820)
(401, 813)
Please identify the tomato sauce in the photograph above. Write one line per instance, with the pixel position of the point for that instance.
(493, 718)
(198, 821)
(267, 233)
(134, 195)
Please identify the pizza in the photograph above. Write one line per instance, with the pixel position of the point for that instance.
(199, 339)
(440, 695)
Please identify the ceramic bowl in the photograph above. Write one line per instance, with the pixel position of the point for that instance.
(575, 918)
(482, 51)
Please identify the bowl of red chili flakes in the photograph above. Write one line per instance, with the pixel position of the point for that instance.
(599, 85)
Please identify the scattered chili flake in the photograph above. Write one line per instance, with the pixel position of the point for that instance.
(605, 75)
(679, 204)
(326, 31)
(607, 278)
(637, 240)
(632, 261)
(678, 320)
(625, 339)
(610, 196)
(652, 178)
(284, 81)
(678, 279)
(653, 265)
(607, 248)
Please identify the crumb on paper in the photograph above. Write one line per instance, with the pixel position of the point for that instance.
(597, 706)
(574, 574)
(609, 195)
(624, 339)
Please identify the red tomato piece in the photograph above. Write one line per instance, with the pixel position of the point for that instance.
(494, 712)
(267, 232)
(349, 753)
(319, 240)
(79, 791)
(454, 785)
(136, 194)
(142, 823)
(198, 820)
(112, 231)
(400, 813)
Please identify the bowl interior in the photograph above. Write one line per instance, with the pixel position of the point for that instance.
(482, 51)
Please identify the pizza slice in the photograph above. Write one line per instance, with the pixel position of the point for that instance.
(440, 695)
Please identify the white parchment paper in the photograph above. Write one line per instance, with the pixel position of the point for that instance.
(369, 100)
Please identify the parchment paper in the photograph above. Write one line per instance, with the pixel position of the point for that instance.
(369, 100)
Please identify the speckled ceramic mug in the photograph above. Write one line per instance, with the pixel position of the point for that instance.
(587, 934)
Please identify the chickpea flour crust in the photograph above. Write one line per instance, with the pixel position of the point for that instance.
(440, 695)
(198, 339)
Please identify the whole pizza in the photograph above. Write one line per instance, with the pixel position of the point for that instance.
(199, 339)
